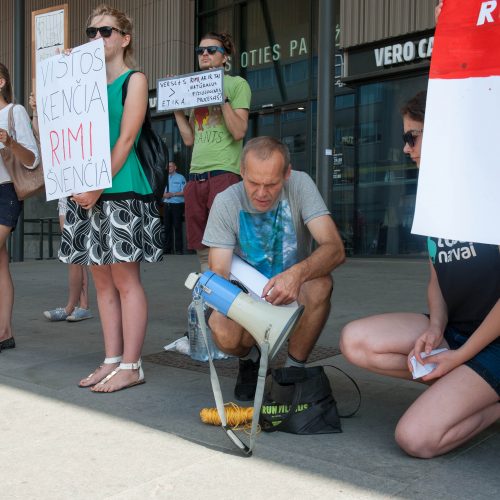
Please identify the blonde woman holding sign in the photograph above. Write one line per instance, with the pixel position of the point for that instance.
(116, 229)
(24, 148)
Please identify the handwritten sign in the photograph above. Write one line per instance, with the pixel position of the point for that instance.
(72, 103)
(49, 33)
(191, 91)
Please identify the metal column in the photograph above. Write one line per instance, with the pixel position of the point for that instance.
(18, 77)
(325, 111)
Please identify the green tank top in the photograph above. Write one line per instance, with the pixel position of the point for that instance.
(130, 178)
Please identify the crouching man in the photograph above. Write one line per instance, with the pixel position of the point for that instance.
(270, 220)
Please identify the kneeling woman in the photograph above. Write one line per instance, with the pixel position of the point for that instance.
(464, 306)
(113, 231)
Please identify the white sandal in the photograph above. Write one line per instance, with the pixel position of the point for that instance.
(125, 366)
(107, 361)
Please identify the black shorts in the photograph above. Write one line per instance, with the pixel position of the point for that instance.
(485, 363)
(10, 206)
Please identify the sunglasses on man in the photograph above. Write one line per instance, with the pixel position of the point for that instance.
(410, 137)
(211, 49)
(105, 31)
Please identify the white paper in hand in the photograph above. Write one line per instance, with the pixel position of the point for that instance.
(419, 370)
(251, 278)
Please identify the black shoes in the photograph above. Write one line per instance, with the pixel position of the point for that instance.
(7, 344)
(244, 390)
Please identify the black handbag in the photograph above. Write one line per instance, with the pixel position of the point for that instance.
(151, 151)
(300, 401)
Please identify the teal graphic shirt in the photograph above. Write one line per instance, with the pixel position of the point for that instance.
(268, 240)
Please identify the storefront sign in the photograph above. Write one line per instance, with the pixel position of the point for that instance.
(264, 55)
(399, 53)
(393, 57)
(72, 104)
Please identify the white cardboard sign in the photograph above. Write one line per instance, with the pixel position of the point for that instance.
(192, 90)
(72, 104)
(457, 196)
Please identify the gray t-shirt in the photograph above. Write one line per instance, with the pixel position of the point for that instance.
(270, 241)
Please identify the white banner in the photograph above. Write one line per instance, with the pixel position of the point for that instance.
(193, 90)
(72, 104)
(457, 196)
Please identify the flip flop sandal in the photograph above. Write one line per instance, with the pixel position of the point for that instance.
(107, 361)
(125, 366)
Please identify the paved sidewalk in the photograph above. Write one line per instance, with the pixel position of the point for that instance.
(59, 441)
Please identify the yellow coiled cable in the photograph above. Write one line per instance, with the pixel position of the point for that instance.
(236, 416)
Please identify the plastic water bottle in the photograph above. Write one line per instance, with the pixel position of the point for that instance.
(198, 348)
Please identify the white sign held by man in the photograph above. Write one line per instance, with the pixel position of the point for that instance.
(457, 196)
(193, 90)
(72, 104)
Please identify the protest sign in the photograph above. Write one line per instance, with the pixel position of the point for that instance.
(457, 196)
(49, 33)
(191, 91)
(72, 103)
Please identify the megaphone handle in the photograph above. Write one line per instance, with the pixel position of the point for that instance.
(259, 391)
(214, 379)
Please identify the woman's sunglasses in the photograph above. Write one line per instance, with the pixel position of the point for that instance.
(211, 49)
(105, 31)
(410, 136)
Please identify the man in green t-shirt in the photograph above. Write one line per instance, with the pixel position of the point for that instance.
(216, 134)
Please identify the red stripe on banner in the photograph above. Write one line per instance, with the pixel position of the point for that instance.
(467, 40)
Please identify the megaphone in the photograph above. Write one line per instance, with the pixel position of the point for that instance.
(264, 322)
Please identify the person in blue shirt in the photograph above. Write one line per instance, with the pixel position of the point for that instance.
(173, 210)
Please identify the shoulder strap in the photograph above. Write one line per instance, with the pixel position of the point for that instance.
(125, 85)
(219, 402)
(11, 123)
(147, 118)
(357, 390)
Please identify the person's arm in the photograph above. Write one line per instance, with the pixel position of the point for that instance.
(185, 127)
(437, 10)
(438, 318)
(485, 334)
(329, 254)
(24, 146)
(134, 111)
(34, 121)
(24, 155)
(170, 194)
(236, 120)
(219, 261)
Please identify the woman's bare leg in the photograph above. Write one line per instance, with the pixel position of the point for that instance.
(6, 285)
(382, 343)
(450, 412)
(134, 314)
(110, 311)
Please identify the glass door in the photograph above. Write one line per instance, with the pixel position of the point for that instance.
(289, 124)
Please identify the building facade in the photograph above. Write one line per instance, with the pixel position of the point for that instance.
(381, 59)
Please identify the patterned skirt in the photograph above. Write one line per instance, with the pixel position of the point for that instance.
(113, 231)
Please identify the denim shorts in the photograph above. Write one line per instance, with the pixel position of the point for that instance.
(485, 363)
(10, 206)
